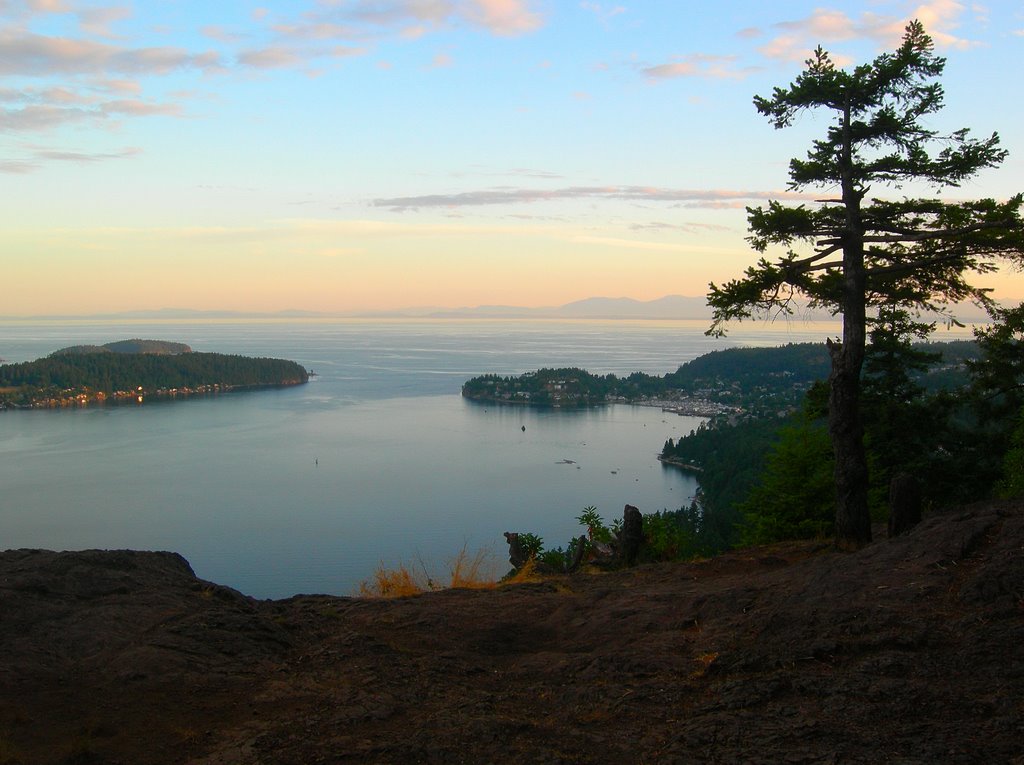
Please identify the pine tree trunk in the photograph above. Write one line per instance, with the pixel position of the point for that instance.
(853, 521)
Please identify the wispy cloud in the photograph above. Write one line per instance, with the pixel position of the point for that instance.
(221, 34)
(797, 38)
(99, 20)
(603, 13)
(39, 109)
(500, 17)
(89, 50)
(86, 157)
(136, 108)
(512, 196)
(686, 228)
(271, 57)
(697, 65)
(373, 19)
(343, 28)
(82, 78)
(504, 17)
(33, 55)
(17, 166)
(42, 117)
(38, 157)
(441, 61)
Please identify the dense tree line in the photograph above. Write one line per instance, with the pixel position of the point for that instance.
(760, 381)
(112, 372)
(957, 432)
(780, 367)
(735, 376)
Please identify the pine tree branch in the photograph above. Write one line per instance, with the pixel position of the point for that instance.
(900, 234)
(824, 266)
(917, 264)
(808, 261)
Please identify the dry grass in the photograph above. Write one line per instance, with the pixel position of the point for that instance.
(476, 571)
(526, 573)
(392, 583)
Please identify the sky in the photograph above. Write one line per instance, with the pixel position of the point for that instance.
(365, 155)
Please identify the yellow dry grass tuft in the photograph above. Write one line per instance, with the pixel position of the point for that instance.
(391, 583)
(477, 571)
(474, 572)
(526, 573)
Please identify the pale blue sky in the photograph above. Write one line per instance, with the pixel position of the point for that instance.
(345, 155)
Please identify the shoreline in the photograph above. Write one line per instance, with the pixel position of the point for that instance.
(68, 399)
(690, 468)
(705, 408)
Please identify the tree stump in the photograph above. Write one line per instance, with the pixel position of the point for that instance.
(632, 534)
(516, 552)
(578, 551)
(904, 504)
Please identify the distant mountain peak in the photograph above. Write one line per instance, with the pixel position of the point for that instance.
(667, 307)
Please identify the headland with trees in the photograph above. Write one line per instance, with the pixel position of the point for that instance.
(132, 371)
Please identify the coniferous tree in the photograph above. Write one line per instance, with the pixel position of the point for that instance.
(902, 424)
(866, 252)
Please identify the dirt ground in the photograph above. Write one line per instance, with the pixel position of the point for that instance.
(908, 651)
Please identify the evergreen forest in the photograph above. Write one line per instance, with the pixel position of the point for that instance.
(62, 378)
(947, 414)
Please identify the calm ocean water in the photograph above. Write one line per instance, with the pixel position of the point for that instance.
(378, 459)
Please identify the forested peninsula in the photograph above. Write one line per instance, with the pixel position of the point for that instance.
(134, 371)
(762, 454)
(735, 382)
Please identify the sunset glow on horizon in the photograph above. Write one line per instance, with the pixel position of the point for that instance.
(345, 155)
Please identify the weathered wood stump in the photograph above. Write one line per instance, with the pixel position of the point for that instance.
(517, 554)
(904, 504)
(579, 550)
(632, 534)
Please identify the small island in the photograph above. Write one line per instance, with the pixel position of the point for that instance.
(570, 387)
(133, 371)
(731, 382)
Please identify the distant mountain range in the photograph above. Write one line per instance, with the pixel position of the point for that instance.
(668, 307)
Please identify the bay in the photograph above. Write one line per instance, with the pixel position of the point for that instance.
(378, 460)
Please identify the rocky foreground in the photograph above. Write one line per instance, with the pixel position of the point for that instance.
(909, 651)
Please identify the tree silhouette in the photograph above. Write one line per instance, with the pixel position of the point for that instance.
(916, 253)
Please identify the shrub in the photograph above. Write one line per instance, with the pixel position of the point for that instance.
(668, 536)
(596, 529)
(532, 544)
(796, 496)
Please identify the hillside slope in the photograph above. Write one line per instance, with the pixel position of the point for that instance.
(909, 651)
